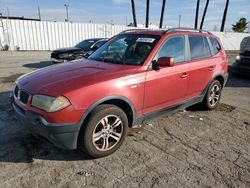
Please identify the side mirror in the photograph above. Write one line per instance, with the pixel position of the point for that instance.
(165, 61)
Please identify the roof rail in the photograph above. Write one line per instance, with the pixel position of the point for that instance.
(167, 30)
(187, 29)
(142, 29)
(132, 30)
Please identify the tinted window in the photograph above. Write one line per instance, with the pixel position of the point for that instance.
(173, 47)
(127, 49)
(199, 47)
(215, 45)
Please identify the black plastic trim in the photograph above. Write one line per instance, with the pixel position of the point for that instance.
(168, 110)
(112, 97)
(62, 135)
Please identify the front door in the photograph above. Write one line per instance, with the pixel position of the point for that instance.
(167, 86)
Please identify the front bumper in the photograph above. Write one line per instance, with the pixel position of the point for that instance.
(62, 135)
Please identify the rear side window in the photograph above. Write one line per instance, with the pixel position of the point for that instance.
(215, 45)
(199, 47)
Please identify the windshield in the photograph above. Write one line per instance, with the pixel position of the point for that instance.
(127, 49)
(86, 44)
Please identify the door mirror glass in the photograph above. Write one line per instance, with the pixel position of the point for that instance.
(165, 61)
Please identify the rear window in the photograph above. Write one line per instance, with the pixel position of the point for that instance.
(199, 47)
(215, 45)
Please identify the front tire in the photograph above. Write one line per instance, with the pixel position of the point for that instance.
(212, 97)
(104, 132)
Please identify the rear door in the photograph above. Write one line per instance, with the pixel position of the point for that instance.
(202, 66)
(167, 86)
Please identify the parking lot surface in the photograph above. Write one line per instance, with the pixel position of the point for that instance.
(192, 148)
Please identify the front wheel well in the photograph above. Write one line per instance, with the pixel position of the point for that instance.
(124, 106)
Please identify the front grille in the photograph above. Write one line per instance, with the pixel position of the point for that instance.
(16, 91)
(24, 97)
(21, 95)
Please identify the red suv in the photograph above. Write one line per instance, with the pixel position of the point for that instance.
(138, 74)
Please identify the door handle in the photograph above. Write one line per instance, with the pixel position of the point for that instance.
(184, 75)
(211, 68)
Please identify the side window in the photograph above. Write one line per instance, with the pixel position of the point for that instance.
(215, 45)
(199, 47)
(173, 47)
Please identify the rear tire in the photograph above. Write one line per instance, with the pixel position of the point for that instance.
(212, 97)
(104, 131)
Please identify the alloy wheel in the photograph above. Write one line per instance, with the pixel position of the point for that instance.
(214, 95)
(107, 133)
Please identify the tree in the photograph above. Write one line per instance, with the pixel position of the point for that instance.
(197, 14)
(204, 14)
(133, 12)
(162, 12)
(224, 17)
(240, 26)
(147, 13)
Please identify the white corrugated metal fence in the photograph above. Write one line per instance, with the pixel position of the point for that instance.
(45, 35)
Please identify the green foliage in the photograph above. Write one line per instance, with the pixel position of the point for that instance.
(240, 26)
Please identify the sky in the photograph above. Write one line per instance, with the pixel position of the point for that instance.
(119, 11)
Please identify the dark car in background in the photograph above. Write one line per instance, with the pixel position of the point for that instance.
(95, 46)
(241, 66)
(78, 51)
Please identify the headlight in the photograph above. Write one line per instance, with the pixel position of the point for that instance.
(237, 58)
(50, 104)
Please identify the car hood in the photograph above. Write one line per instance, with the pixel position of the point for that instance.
(62, 78)
(67, 50)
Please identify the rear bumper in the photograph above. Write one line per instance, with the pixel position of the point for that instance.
(62, 135)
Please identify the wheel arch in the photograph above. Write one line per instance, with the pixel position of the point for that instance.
(124, 103)
(220, 78)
